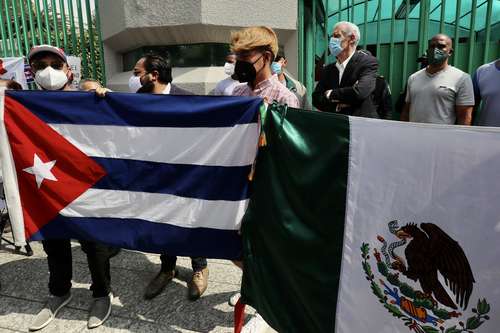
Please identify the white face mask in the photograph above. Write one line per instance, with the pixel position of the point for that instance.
(134, 83)
(51, 79)
(229, 68)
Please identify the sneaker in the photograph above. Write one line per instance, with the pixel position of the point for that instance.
(256, 325)
(198, 284)
(99, 311)
(49, 312)
(159, 282)
(234, 299)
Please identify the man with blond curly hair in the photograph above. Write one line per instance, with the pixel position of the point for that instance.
(255, 49)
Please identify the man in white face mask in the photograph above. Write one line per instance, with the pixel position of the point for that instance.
(50, 67)
(226, 86)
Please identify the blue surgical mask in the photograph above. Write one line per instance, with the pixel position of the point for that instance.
(276, 68)
(334, 46)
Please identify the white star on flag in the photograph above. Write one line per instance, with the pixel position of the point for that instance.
(41, 170)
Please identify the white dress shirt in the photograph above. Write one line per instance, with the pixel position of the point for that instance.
(341, 67)
(166, 91)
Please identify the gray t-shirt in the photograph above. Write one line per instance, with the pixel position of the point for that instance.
(487, 88)
(433, 97)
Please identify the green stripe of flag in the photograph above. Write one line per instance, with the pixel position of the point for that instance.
(293, 229)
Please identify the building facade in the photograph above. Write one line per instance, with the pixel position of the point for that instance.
(195, 33)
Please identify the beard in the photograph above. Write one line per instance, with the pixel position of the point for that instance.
(147, 88)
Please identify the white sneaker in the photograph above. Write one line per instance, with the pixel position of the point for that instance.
(256, 325)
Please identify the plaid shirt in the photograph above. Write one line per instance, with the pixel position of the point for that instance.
(271, 90)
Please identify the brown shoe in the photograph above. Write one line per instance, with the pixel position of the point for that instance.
(198, 284)
(159, 282)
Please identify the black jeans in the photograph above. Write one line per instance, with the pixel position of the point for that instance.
(168, 263)
(61, 266)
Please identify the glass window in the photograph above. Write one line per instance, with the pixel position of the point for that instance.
(188, 55)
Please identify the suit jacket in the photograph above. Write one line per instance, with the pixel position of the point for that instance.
(355, 90)
(176, 90)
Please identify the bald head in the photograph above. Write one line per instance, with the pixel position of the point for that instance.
(438, 53)
(441, 39)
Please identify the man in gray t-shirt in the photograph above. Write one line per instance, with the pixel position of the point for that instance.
(440, 93)
(486, 82)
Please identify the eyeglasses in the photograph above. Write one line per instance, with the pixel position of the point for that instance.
(41, 65)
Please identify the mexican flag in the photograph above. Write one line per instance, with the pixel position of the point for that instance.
(361, 225)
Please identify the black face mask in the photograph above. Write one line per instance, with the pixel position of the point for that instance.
(436, 56)
(245, 71)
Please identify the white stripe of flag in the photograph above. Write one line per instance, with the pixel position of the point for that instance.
(211, 146)
(159, 208)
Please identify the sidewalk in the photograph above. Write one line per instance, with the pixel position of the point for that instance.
(24, 288)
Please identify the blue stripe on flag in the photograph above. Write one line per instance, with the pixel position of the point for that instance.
(146, 110)
(192, 181)
(147, 236)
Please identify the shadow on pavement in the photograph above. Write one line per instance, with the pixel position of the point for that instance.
(24, 290)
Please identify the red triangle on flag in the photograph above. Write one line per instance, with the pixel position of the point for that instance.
(51, 172)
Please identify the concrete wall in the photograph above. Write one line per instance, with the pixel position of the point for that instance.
(130, 24)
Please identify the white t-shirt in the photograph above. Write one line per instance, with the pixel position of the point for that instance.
(433, 97)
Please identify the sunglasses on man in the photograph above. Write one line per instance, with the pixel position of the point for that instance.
(41, 65)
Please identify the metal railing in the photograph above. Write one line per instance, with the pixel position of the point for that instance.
(25, 23)
(397, 32)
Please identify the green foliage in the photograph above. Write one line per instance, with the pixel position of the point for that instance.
(394, 310)
(426, 303)
(482, 307)
(407, 290)
(393, 279)
(453, 329)
(429, 329)
(368, 269)
(365, 248)
(473, 323)
(441, 313)
(382, 268)
(378, 292)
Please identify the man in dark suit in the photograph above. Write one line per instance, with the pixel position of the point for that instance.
(153, 74)
(347, 86)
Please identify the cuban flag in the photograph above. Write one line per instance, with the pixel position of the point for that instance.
(153, 173)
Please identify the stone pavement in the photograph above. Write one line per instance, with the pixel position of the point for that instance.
(24, 289)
